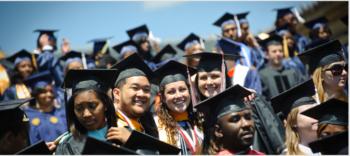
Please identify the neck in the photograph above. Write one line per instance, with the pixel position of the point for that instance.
(333, 93)
(44, 107)
(275, 66)
(239, 151)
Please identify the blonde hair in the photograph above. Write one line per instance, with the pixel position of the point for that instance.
(292, 136)
(318, 81)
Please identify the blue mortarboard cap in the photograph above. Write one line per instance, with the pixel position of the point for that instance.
(22, 55)
(283, 11)
(188, 41)
(39, 80)
(99, 44)
(166, 53)
(316, 23)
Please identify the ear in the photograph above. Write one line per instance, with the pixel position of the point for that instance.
(218, 131)
(116, 94)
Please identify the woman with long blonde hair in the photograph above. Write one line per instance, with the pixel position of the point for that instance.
(328, 70)
(300, 130)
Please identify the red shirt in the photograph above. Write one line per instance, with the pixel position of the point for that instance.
(250, 152)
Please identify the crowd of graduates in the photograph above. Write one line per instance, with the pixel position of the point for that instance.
(279, 92)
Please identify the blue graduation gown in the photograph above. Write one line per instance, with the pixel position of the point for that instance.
(46, 126)
(252, 81)
(10, 93)
(47, 61)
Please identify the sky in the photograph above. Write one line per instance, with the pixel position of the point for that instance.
(80, 22)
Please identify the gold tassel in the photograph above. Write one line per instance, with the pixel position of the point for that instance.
(34, 62)
(285, 47)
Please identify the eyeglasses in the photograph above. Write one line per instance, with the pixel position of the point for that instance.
(338, 69)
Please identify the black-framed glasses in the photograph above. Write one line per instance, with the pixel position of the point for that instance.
(338, 69)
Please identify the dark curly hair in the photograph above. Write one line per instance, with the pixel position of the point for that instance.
(75, 126)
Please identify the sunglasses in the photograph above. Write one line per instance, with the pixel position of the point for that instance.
(338, 69)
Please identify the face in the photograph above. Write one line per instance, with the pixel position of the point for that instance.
(306, 126)
(236, 130)
(245, 29)
(230, 31)
(335, 75)
(76, 65)
(197, 48)
(134, 96)
(332, 129)
(209, 83)
(89, 110)
(177, 96)
(275, 54)
(46, 97)
(322, 33)
(145, 46)
(25, 69)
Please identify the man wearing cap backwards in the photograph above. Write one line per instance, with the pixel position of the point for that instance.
(132, 94)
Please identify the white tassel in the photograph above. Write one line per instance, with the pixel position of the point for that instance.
(298, 16)
(239, 32)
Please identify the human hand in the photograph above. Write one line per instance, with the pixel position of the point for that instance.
(51, 145)
(118, 134)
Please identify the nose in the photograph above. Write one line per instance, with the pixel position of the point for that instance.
(86, 113)
(209, 81)
(246, 123)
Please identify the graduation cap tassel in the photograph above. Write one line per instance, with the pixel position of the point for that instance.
(285, 47)
(34, 62)
(104, 49)
(193, 92)
(84, 60)
(297, 15)
(239, 32)
(223, 73)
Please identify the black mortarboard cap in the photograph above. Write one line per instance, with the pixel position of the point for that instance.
(294, 97)
(166, 53)
(102, 79)
(118, 48)
(21, 55)
(332, 111)
(99, 44)
(138, 34)
(345, 20)
(321, 55)
(227, 16)
(315, 23)
(93, 146)
(142, 142)
(190, 38)
(70, 55)
(242, 15)
(272, 38)
(39, 80)
(229, 47)
(229, 100)
(12, 104)
(332, 145)
(49, 32)
(210, 61)
(39, 148)
(283, 11)
(132, 66)
(173, 71)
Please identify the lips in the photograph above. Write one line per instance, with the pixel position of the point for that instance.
(139, 101)
(247, 135)
(89, 122)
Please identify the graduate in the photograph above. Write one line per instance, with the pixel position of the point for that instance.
(319, 30)
(328, 69)
(100, 49)
(125, 49)
(46, 59)
(164, 55)
(275, 77)
(15, 135)
(191, 44)
(24, 66)
(300, 130)
(240, 74)
(47, 41)
(47, 117)
(231, 121)
(285, 16)
(76, 60)
(132, 95)
(140, 35)
(231, 31)
(337, 144)
(90, 111)
(176, 121)
(332, 117)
